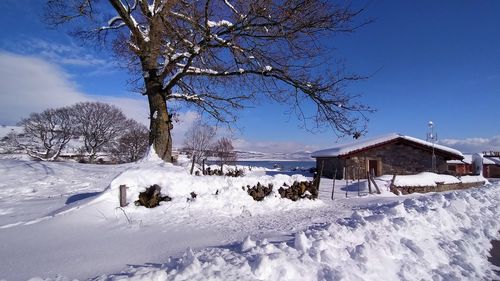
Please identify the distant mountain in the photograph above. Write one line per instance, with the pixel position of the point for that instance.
(255, 155)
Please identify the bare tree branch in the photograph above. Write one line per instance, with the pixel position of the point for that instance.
(218, 55)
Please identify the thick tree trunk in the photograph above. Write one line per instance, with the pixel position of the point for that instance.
(160, 124)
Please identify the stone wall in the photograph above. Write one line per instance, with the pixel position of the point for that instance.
(440, 187)
(492, 171)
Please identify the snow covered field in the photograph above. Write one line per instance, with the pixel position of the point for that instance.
(60, 221)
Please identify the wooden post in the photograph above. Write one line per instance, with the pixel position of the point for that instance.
(320, 174)
(123, 195)
(369, 182)
(203, 166)
(347, 175)
(345, 179)
(375, 184)
(192, 164)
(334, 178)
(359, 187)
(392, 183)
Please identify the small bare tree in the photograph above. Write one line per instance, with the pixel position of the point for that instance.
(219, 54)
(133, 144)
(49, 132)
(10, 143)
(198, 141)
(225, 152)
(98, 124)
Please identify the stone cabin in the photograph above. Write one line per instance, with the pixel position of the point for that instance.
(392, 154)
(461, 167)
(491, 165)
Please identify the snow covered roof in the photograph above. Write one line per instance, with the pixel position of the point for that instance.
(352, 147)
(491, 160)
(468, 160)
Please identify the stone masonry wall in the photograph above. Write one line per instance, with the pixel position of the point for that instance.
(440, 187)
(395, 159)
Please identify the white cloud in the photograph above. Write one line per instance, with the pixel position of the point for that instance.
(62, 54)
(472, 145)
(183, 123)
(29, 84)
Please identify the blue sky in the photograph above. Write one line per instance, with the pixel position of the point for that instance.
(427, 60)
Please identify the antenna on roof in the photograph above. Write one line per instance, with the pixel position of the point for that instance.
(432, 138)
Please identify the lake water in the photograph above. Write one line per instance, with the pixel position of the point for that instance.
(285, 167)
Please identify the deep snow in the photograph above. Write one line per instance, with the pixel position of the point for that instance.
(437, 237)
(55, 225)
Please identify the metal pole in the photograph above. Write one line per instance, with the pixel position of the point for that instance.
(334, 178)
(345, 180)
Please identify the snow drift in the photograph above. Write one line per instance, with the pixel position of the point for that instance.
(222, 195)
(435, 237)
(431, 179)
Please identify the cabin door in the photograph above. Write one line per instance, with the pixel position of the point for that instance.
(373, 167)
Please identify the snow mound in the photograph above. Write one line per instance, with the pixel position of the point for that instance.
(431, 179)
(436, 237)
(151, 157)
(219, 194)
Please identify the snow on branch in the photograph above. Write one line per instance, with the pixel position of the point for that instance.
(219, 23)
(113, 23)
(181, 16)
(232, 8)
(185, 97)
(125, 13)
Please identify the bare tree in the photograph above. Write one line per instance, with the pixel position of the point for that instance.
(224, 150)
(99, 124)
(10, 143)
(49, 132)
(133, 144)
(198, 141)
(217, 55)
